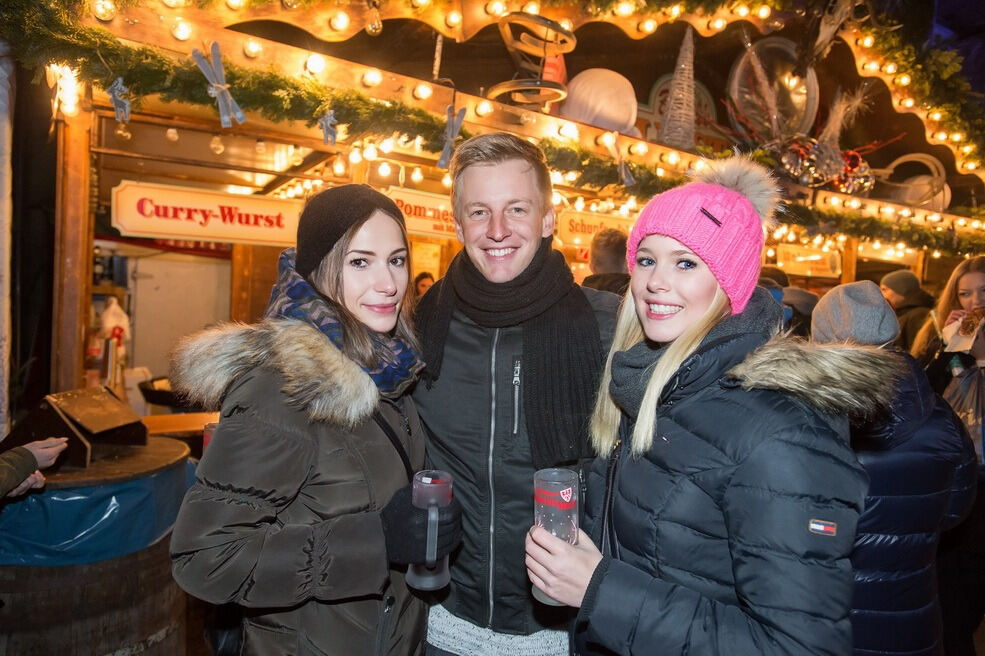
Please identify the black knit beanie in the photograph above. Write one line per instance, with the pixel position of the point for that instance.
(329, 214)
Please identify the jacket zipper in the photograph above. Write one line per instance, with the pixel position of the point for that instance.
(608, 537)
(516, 396)
(382, 628)
(489, 464)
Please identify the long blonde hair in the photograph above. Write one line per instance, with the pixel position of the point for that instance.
(948, 301)
(604, 425)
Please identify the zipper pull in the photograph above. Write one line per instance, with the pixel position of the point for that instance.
(516, 373)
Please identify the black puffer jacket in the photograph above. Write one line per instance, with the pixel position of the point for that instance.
(732, 534)
(478, 432)
(284, 515)
(922, 475)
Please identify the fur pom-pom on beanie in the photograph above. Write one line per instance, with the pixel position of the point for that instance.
(721, 215)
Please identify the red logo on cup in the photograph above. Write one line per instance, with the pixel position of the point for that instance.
(566, 494)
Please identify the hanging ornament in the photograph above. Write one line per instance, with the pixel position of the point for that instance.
(171, 135)
(798, 157)
(844, 109)
(375, 24)
(218, 88)
(625, 175)
(856, 178)
(677, 125)
(452, 128)
(327, 124)
(121, 106)
(766, 91)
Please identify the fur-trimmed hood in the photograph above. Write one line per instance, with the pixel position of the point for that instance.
(839, 379)
(318, 377)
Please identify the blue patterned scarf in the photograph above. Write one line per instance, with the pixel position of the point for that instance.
(293, 297)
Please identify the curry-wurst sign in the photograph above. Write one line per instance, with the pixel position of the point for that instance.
(143, 209)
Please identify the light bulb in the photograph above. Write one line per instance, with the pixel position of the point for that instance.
(484, 108)
(625, 8)
(423, 91)
(386, 146)
(763, 12)
(290, 4)
(372, 77)
(568, 131)
(717, 24)
(419, 4)
(741, 11)
(355, 156)
(531, 8)
(315, 64)
(446, 181)
(384, 170)
(416, 175)
(261, 147)
(181, 30)
(903, 80)
(606, 139)
(889, 68)
(235, 4)
(496, 8)
(252, 48)
(338, 166)
(865, 41)
(216, 145)
(104, 10)
(648, 26)
(171, 135)
(453, 19)
(370, 153)
(935, 116)
(295, 154)
(675, 11)
(339, 21)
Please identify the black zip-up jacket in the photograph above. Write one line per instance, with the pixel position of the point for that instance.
(477, 432)
(732, 533)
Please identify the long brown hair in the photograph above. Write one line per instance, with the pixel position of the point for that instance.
(357, 341)
(947, 302)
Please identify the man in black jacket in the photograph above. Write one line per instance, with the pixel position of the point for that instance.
(607, 260)
(514, 349)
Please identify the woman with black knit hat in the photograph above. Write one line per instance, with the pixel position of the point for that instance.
(725, 500)
(301, 510)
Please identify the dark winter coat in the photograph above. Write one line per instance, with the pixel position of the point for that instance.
(732, 534)
(911, 314)
(922, 477)
(617, 283)
(478, 432)
(284, 515)
(15, 465)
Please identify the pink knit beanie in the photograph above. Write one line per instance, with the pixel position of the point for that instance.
(720, 216)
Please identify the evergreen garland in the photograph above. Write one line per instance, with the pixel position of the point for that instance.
(44, 31)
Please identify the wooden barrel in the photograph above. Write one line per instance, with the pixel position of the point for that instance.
(124, 606)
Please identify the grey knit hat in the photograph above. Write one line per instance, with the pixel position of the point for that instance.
(857, 312)
(902, 281)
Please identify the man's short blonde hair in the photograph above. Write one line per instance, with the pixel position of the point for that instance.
(496, 148)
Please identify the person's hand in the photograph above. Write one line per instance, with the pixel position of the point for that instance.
(46, 451)
(955, 315)
(562, 571)
(33, 480)
(405, 528)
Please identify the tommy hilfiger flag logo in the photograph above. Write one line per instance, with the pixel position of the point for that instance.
(822, 527)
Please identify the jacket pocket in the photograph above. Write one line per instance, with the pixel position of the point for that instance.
(384, 625)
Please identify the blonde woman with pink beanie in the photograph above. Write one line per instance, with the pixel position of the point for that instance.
(721, 511)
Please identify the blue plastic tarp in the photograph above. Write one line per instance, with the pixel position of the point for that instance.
(75, 526)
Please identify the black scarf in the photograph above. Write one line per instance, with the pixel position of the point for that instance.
(562, 350)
